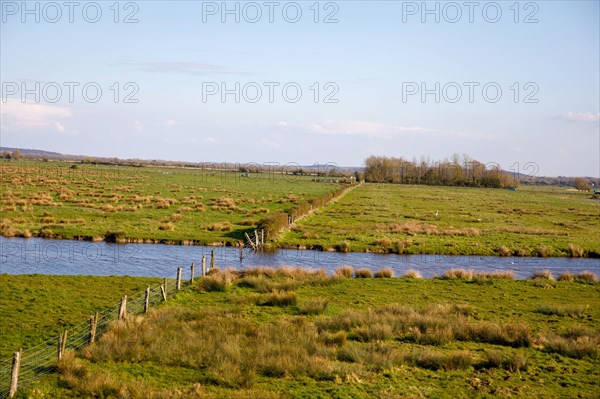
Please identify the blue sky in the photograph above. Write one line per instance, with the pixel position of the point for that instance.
(368, 61)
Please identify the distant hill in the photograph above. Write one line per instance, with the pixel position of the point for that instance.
(35, 153)
(343, 170)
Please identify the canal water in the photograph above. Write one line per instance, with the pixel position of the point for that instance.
(41, 256)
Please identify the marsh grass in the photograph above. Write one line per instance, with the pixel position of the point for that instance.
(384, 273)
(458, 274)
(344, 272)
(543, 275)
(314, 306)
(278, 298)
(488, 278)
(562, 310)
(344, 336)
(578, 347)
(587, 277)
(512, 361)
(363, 273)
(567, 276)
(411, 273)
(399, 219)
(434, 325)
(575, 251)
(143, 200)
(434, 360)
(216, 282)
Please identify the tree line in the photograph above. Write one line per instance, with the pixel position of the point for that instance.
(457, 171)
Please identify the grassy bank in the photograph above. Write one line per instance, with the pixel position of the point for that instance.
(125, 204)
(532, 221)
(297, 334)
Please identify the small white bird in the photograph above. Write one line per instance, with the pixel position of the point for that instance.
(436, 213)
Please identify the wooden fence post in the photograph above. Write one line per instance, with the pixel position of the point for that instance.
(14, 373)
(147, 300)
(62, 344)
(93, 321)
(178, 278)
(123, 308)
(212, 259)
(241, 254)
(163, 292)
(262, 232)
(203, 265)
(193, 272)
(250, 241)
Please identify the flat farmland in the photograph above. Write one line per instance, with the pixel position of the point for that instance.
(408, 219)
(143, 204)
(293, 333)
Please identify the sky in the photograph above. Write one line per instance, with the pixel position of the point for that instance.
(306, 82)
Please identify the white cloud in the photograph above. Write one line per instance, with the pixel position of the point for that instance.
(363, 128)
(138, 126)
(282, 124)
(210, 140)
(169, 123)
(60, 128)
(581, 116)
(25, 115)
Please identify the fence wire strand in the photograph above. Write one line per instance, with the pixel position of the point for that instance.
(42, 358)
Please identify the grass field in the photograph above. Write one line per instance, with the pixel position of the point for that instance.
(170, 205)
(532, 221)
(36, 308)
(298, 334)
(195, 206)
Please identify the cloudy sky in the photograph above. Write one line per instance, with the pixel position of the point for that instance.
(305, 82)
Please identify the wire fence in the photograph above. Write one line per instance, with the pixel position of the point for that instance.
(43, 358)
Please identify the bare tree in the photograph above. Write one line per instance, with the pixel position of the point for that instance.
(582, 184)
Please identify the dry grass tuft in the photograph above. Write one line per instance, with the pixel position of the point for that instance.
(344, 272)
(166, 226)
(488, 278)
(587, 277)
(278, 298)
(503, 251)
(515, 361)
(216, 281)
(433, 360)
(543, 275)
(567, 276)
(314, 306)
(220, 226)
(176, 217)
(384, 273)
(542, 251)
(411, 273)
(458, 274)
(562, 310)
(362, 273)
(579, 347)
(575, 251)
